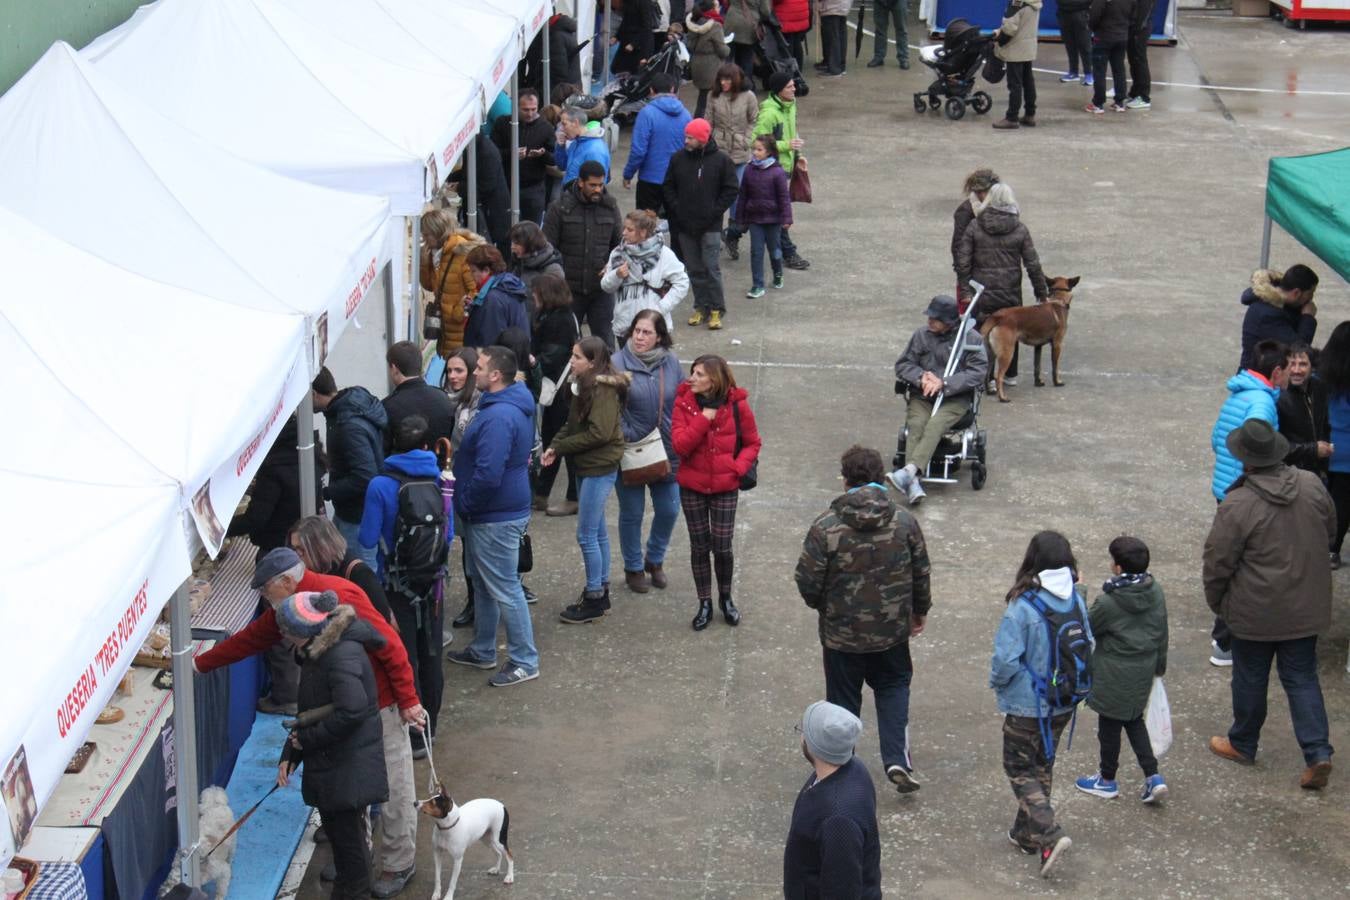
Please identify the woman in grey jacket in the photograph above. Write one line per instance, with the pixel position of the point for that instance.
(656, 373)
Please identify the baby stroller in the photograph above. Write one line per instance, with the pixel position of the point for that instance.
(627, 94)
(957, 65)
(774, 55)
(965, 441)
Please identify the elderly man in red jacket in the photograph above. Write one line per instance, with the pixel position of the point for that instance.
(278, 575)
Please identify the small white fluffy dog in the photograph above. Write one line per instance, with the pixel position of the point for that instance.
(215, 819)
(456, 827)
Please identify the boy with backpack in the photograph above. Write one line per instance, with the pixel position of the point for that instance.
(407, 519)
(1129, 623)
(1040, 675)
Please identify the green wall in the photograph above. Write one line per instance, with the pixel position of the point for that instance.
(29, 27)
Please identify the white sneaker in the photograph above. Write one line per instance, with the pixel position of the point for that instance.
(1138, 103)
(900, 478)
(1010, 380)
(914, 491)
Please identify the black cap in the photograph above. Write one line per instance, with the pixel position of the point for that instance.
(943, 308)
(282, 559)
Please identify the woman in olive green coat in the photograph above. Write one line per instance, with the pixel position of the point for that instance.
(592, 441)
(1129, 623)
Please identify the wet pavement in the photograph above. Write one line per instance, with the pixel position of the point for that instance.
(649, 761)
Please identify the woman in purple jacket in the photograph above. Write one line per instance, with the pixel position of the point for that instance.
(763, 205)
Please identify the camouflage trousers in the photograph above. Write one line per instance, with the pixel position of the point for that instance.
(1031, 775)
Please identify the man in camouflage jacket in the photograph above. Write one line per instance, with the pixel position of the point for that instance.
(864, 569)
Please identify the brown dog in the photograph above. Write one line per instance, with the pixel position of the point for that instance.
(1035, 326)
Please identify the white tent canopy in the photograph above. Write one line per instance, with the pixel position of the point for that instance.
(277, 89)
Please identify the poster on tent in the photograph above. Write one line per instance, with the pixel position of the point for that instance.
(213, 503)
(20, 801)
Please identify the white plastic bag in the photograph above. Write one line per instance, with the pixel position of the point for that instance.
(1158, 718)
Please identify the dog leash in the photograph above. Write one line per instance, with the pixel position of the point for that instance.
(240, 823)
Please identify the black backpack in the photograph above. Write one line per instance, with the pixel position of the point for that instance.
(1068, 679)
(417, 558)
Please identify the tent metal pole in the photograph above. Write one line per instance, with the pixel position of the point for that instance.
(304, 431)
(1265, 250)
(415, 282)
(515, 147)
(185, 732)
(548, 79)
(471, 176)
(604, 44)
(390, 308)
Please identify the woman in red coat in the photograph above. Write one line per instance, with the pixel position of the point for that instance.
(795, 16)
(712, 458)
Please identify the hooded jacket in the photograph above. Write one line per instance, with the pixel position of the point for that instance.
(700, 186)
(415, 397)
(1021, 22)
(343, 752)
(492, 478)
(356, 422)
(864, 569)
(709, 463)
(929, 352)
(732, 117)
(1266, 569)
(995, 248)
(1021, 644)
(1302, 410)
(381, 513)
(1250, 397)
(1110, 21)
(657, 134)
(651, 399)
(778, 117)
(742, 18)
(545, 261)
(584, 233)
(661, 288)
(707, 48)
(764, 198)
(1129, 623)
(502, 303)
(453, 284)
(590, 144)
(593, 443)
(1268, 319)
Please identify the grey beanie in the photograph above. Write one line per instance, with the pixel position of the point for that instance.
(831, 732)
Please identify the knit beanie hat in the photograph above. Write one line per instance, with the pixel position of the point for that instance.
(778, 81)
(831, 732)
(699, 129)
(303, 614)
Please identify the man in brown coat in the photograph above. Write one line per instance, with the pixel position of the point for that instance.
(1267, 575)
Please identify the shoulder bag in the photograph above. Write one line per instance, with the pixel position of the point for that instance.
(548, 389)
(644, 460)
(751, 477)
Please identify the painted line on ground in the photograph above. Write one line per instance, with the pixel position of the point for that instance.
(1176, 84)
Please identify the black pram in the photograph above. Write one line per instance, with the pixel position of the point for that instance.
(775, 55)
(957, 65)
(628, 93)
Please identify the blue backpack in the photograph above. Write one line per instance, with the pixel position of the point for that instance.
(1067, 680)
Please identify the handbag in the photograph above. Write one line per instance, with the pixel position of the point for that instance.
(431, 315)
(525, 561)
(548, 390)
(751, 477)
(994, 68)
(799, 187)
(644, 460)
(1158, 718)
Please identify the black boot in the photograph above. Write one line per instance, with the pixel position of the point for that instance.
(729, 610)
(704, 615)
(592, 606)
(465, 617)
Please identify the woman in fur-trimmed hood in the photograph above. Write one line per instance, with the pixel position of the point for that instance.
(445, 273)
(1279, 308)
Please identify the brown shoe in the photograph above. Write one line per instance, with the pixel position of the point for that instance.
(1220, 746)
(565, 508)
(1028, 121)
(1315, 776)
(637, 581)
(1005, 124)
(658, 575)
(539, 504)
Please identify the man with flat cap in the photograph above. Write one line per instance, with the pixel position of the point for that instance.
(1267, 575)
(920, 371)
(833, 846)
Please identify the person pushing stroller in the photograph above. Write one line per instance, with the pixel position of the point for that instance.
(921, 367)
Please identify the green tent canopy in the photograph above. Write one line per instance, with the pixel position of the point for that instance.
(1309, 196)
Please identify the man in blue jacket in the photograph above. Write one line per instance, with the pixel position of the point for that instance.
(492, 500)
(1252, 395)
(578, 141)
(658, 134)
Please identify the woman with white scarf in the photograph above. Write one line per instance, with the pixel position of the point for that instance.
(643, 273)
(976, 191)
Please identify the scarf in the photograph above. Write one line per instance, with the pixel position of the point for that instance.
(1125, 579)
(763, 163)
(976, 204)
(651, 358)
(641, 257)
(483, 290)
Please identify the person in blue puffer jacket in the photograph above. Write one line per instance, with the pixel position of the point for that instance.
(658, 134)
(1021, 647)
(1252, 395)
(1334, 369)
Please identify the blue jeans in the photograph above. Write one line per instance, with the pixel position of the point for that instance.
(349, 531)
(889, 673)
(1296, 661)
(592, 536)
(493, 554)
(760, 237)
(632, 507)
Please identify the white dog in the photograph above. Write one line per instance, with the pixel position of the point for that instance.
(215, 819)
(456, 827)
